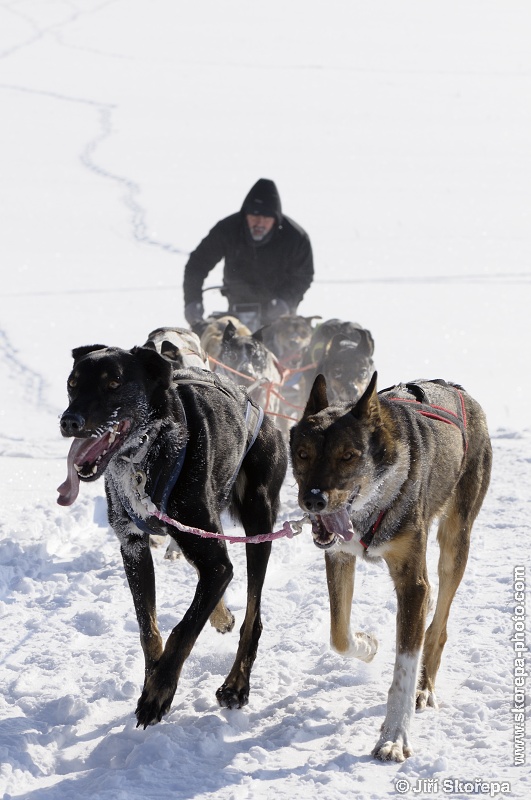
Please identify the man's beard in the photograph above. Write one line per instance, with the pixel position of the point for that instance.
(257, 233)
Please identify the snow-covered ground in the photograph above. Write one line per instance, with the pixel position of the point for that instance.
(398, 135)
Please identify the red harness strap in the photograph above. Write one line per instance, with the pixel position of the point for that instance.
(435, 412)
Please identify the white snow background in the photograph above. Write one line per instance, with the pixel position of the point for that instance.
(399, 136)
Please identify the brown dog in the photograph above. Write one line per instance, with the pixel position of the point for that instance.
(289, 337)
(212, 335)
(373, 475)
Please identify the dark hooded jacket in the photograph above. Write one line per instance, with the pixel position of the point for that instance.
(278, 267)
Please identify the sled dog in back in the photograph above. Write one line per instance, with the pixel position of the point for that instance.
(373, 475)
(180, 345)
(343, 352)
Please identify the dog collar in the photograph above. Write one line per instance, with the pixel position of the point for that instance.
(366, 540)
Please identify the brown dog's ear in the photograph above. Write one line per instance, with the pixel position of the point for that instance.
(157, 368)
(318, 399)
(368, 405)
(79, 352)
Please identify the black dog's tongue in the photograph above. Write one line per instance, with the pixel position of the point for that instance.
(69, 490)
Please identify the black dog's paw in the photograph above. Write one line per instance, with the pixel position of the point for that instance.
(229, 696)
(153, 703)
(149, 713)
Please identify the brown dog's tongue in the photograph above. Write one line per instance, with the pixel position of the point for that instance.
(339, 523)
(69, 490)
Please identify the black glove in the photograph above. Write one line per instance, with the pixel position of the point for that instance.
(276, 308)
(193, 313)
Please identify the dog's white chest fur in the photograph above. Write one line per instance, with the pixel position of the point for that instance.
(126, 471)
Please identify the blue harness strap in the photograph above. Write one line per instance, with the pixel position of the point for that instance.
(254, 416)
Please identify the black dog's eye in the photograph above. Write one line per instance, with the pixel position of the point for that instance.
(72, 383)
(302, 454)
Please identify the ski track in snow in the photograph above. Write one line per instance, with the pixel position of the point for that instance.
(104, 112)
(34, 384)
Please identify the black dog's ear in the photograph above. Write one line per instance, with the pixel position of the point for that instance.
(258, 335)
(79, 352)
(229, 332)
(318, 399)
(366, 342)
(157, 368)
(368, 405)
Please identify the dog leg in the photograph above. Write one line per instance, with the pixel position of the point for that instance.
(411, 584)
(138, 565)
(215, 573)
(255, 502)
(173, 551)
(234, 693)
(222, 618)
(454, 542)
(340, 570)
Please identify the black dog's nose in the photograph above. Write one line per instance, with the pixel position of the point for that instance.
(72, 424)
(315, 501)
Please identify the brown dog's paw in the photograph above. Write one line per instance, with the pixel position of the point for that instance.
(392, 751)
(393, 744)
(426, 698)
(229, 696)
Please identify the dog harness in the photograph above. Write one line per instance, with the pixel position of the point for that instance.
(254, 416)
(418, 397)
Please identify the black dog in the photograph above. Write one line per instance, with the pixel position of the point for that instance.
(341, 351)
(248, 356)
(189, 443)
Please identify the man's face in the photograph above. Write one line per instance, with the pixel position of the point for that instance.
(259, 226)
